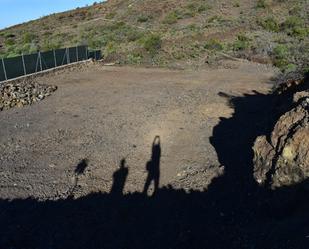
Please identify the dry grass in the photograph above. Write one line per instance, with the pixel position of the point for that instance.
(120, 28)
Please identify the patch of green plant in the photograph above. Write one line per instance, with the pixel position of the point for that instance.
(242, 43)
(306, 70)
(295, 26)
(28, 37)
(152, 43)
(290, 67)
(292, 22)
(203, 8)
(172, 17)
(214, 44)
(9, 42)
(215, 19)
(96, 42)
(190, 11)
(117, 32)
(270, 24)
(236, 4)
(261, 4)
(194, 8)
(194, 50)
(296, 10)
(193, 27)
(281, 51)
(134, 35)
(110, 48)
(143, 18)
(134, 58)
(281, 54)
(8, 35)
(110, 15)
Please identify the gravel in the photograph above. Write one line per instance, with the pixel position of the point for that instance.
(21, 94)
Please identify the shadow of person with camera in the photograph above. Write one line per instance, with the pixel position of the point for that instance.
(153, 167)
(119, 179)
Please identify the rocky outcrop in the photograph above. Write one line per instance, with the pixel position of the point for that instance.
(283, 158)
(24, 93)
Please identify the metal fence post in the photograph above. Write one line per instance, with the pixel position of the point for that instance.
(4, 70)
(40, 61)
(55, 60)
(77, 54)
(68, 56)
(86, 53)
(24, 65)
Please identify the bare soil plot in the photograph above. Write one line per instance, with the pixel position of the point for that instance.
(107, 114)
(62, 187)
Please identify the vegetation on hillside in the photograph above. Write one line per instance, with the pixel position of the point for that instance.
(174, 32)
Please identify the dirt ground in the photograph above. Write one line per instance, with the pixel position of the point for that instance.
(100, 116)
(61, 185)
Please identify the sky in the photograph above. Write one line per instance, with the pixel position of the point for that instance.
(17, 11)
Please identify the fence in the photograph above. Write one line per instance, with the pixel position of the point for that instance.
(27, 64)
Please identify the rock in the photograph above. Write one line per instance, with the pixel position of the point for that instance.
(283, 159)
(21, 94)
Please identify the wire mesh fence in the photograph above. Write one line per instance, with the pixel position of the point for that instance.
(32, 63)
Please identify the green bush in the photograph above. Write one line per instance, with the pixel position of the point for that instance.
(270, 24)
(236, 4)
(110, 48)
(9, 42)
(110, 15)
(295, 26)
(296, 10)
(203, 8)
(242, 43)
(28, 37)
(172, 17)
(152, 43)
(193, 8)
(143, 18)
(261, 4)
(133, 35)
(293, 22)
(134, 58)
(281, 55)
(94, 43)
(280, 51)
(49, 45)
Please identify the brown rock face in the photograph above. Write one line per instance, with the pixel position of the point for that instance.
(283, 159)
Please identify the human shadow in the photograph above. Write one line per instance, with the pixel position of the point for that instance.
(234, 212)
(153, 166)
(78, 171)
(81, 167)
(119, 179)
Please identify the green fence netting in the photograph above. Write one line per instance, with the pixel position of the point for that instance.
(27, 64)
(95, 54)
(31, 63)
(2, 76)
(14, 67)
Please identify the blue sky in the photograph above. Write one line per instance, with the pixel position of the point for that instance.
(17, 11)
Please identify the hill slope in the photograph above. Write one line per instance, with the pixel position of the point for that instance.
(174, 32)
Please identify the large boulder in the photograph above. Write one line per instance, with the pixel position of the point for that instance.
(283, 158)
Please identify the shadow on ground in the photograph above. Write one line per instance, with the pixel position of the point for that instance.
(233, 213)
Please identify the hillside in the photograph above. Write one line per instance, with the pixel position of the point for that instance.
(182, 32)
